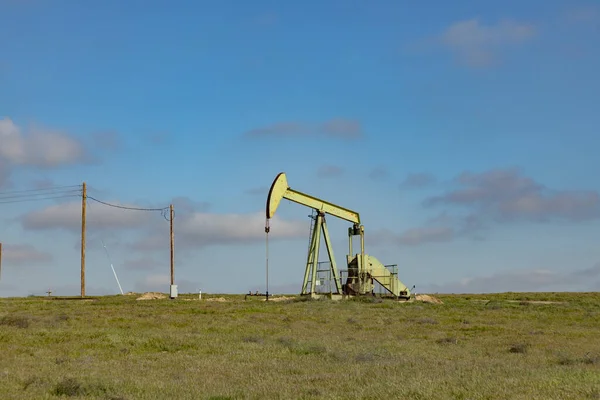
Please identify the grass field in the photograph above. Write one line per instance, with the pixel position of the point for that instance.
(471, 347)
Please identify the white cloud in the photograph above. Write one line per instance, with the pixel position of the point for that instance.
(71, 289)
(192, 228)
(507, 195)
(145, 263)
(539, 279)
(4, 172)
(476, 44)
(494, 196)
(23, 255)
(67, 216)
(442, 228)
(161, 282)
(205, 228)
(427, 234)
(38, 147)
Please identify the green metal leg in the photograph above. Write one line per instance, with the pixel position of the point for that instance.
(315, 261)
(336, 275)
(312, 261)
(313, 255)
(309, 260)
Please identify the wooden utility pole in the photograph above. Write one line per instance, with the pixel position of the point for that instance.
(171, 215)
(83, 209)
(0, 260)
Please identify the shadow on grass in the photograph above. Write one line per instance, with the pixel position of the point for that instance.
(16, 321)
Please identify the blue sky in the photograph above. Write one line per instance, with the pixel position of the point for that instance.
(466, 134)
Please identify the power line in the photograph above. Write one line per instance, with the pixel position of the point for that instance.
(37, 194)
(39, 198)
(40, 189)
(164, 212)
(60, 192)
(127, 208)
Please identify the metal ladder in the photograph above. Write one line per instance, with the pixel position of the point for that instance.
(313, 220)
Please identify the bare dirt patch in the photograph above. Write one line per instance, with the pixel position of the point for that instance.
(151, 296)
(218, 299)
(425, 298)
(281, 298)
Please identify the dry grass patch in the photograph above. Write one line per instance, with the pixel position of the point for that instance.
(120, 348)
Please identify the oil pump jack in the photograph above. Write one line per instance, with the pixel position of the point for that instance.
(363, 269)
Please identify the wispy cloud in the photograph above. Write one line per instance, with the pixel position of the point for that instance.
(256, 191)
(67, 216)
(539, 279)
(417, 180)
(507, 195)
(379, 173)
(329, 171)
(442, 228)
(23, 255)
(44, 149)
(143, 264)
(478, 201)
(44, 183)
(108, 140)
(39, 148)
(476, 44)
(195, 226)
(157, 138)
(157, 283)
(340, 128)
(5, 171)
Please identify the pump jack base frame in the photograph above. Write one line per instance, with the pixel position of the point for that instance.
(338, 297)
(319, 296)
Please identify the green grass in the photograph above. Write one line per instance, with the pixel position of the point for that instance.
(471, 347)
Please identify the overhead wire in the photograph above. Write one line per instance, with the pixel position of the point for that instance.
(40, 189)
(73, 192)
(64, 196)
(67, 191)
(163, 210)
(49, 193)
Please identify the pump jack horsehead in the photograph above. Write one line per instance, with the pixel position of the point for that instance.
(363, 269)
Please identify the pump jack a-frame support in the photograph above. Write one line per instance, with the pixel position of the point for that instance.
(312, 263)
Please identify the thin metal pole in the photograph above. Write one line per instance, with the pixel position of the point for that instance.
(0, 260)
(83, 222)
(267, 229)
(171, 212)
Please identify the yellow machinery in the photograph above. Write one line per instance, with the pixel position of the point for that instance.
(363, 269)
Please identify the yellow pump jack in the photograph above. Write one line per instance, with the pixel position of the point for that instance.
(363, 269)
